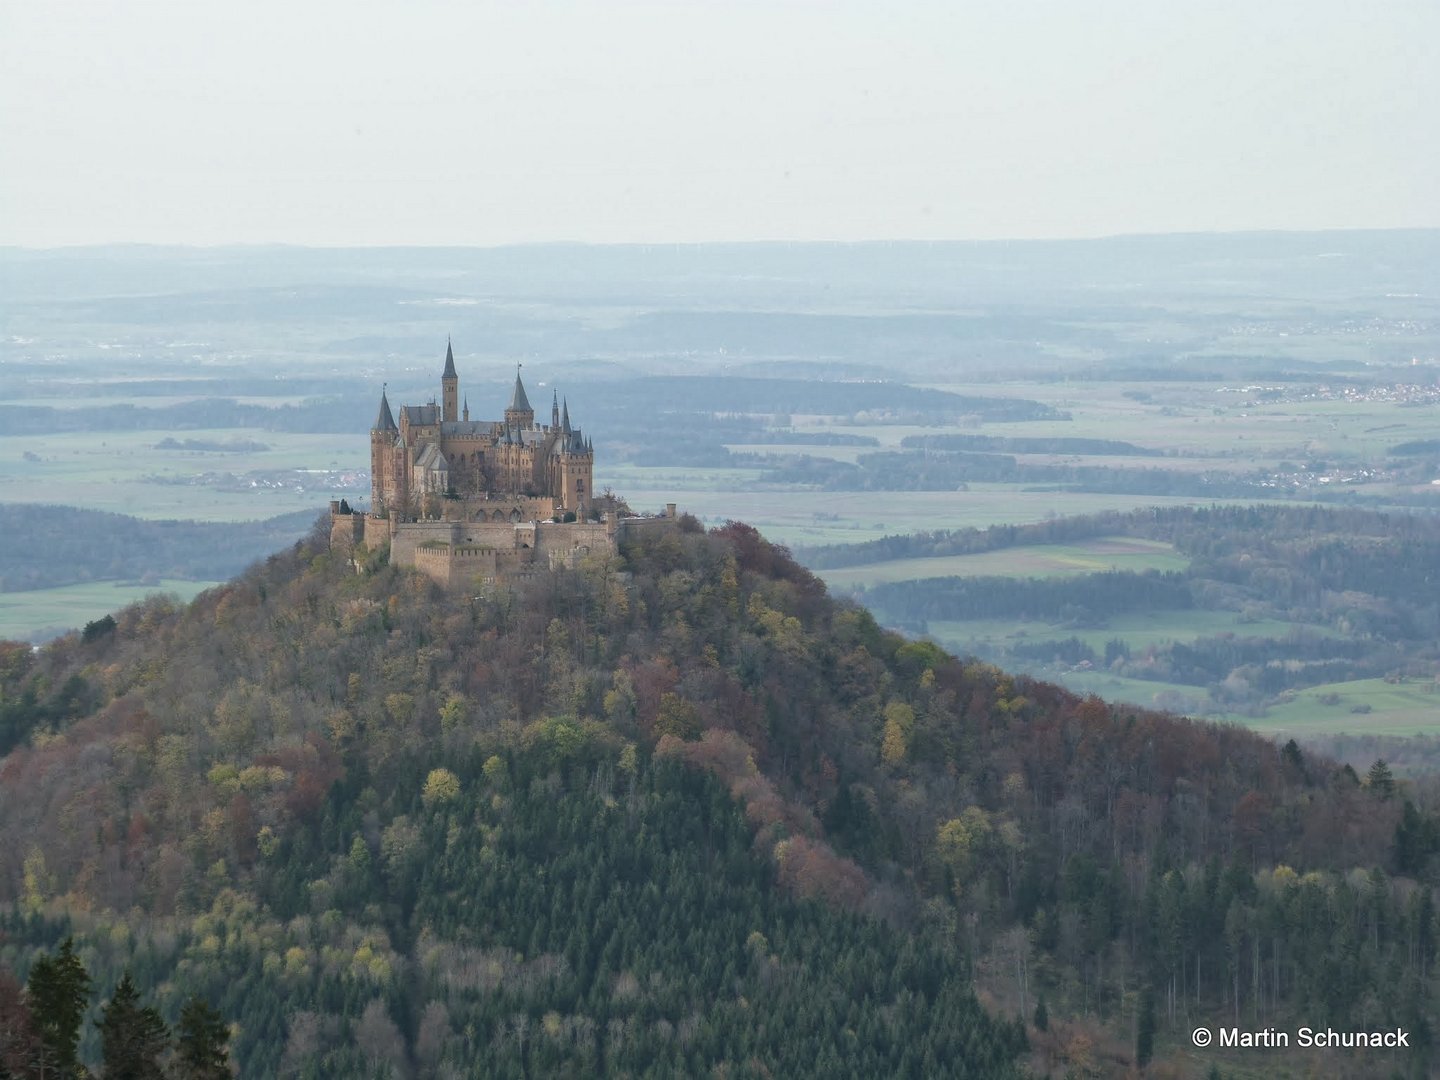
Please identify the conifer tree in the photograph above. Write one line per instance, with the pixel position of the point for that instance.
(58, 993)
(1145, 1029)
(1380, 781)
(201, 1043)
(132, 1037)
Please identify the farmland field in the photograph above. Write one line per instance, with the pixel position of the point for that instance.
(1404, 708)
(123, 472)
(828, 517)
(1176, 697)
(1138, 630)
(72, 606)
(1041, 560)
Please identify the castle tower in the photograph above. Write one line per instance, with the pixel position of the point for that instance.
(519, 413)
(449, 388)
(574, 467)
(382, 439)
(554, 409)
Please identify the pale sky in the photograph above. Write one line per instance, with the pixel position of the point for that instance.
(426, 122)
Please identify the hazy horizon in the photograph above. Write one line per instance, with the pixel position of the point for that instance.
(316, 125)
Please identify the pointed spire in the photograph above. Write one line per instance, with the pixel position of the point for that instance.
(449, 372)
(554, 409)
(386, 420)
(518, 401)
(565, 418)
(467, 409)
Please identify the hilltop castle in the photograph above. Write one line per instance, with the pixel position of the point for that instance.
(511, 470)
(475, 500)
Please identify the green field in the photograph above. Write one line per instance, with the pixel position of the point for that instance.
(1407, 708)
(1138, 630)
(1175, 697)
(849, 517)
(1035, 560)
(70, 607)
(110, 470)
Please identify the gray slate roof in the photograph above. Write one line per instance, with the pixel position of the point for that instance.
(518, 400)
(386, 420)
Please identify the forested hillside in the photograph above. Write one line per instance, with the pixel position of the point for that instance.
(674, 812)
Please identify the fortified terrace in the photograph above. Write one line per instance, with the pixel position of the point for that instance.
(476, 501)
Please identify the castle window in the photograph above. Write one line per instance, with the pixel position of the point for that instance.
(579, 485)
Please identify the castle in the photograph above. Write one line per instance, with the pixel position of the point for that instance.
(511, 470)
(472, 501)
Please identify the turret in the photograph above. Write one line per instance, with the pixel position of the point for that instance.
(519, 413)
(554, 409)
(382, 436)
(449, 387)
(386, 420)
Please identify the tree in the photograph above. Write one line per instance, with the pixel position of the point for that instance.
(677, 717)
(18, 1040)
(1379, 780)
(441, 786)
(201, 1051)
(58, 994)
(1145, 1029)
(899, 726)
(1042, 1015)
(132, 1037)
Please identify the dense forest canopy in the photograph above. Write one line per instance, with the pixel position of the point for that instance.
(673, 811)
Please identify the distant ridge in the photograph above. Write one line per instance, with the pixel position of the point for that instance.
(49, 546)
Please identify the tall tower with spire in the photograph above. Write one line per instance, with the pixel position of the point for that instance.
(449, 388)
(519, 413)
(382, 439)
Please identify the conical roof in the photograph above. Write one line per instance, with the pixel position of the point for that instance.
(386, 420)
(565, 418)
(518, 401)
(449, 372)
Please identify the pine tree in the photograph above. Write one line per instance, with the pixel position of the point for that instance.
(1042, 1015)
(58, 993)
(1145, 1029)
(132, 1037)
(201, 1043)
(1380, 781)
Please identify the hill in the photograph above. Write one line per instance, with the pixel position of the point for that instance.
(64, 545)
(676, 812)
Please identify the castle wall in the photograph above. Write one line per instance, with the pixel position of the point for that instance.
(347, 530)
(407, 536)
(575, 539)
